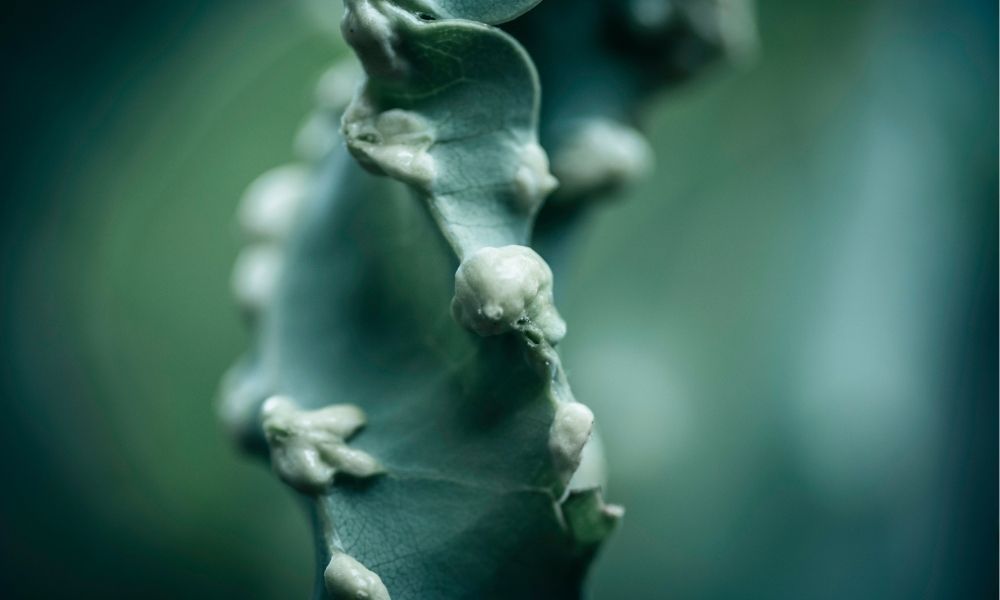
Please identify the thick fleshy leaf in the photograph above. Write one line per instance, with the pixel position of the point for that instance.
(471, 440)
(450, 107)
(439, 462)
(469, 502)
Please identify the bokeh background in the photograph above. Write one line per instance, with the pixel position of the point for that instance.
(788, 332)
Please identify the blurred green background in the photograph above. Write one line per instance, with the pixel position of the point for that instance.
(787, 332)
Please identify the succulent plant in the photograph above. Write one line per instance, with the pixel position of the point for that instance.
(405, 378)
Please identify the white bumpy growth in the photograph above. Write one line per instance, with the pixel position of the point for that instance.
(533, 180)
(570, 431)
(346, 578)
(395, 142)
(504, 289)
(600, 155)
(308, 447)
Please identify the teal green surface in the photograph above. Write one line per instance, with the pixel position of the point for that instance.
(786, 332)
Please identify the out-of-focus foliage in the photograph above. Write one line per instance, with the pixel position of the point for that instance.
(786, 332)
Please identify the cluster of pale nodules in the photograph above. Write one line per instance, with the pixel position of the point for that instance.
(498, 290)
(308, 448)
